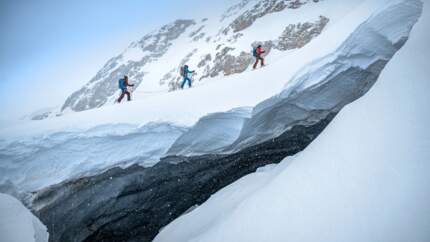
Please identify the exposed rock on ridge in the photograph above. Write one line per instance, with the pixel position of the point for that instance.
(105, 83)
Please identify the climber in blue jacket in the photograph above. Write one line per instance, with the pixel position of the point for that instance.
(122, 85)
(185, 71)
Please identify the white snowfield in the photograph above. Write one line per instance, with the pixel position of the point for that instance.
(186, 49)
(211, 133)
(35, 154)
(18, 224)
(33, 164)
(331, 82)
(365, 178)
(218, 94)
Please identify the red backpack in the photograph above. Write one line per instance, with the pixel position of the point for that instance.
(181, 71)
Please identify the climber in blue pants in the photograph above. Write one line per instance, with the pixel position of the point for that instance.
(185, 71)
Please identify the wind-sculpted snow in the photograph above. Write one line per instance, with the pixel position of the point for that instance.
(42, 161)
(330, 83)
(365, 178)
(134, 203)
(211, 133)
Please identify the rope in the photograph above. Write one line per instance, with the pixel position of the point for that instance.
(153, 92)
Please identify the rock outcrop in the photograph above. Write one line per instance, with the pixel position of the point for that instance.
(102, 88)
(131, 62)
(259, 10)
(133, 204)
(293, 37)
(298, 35)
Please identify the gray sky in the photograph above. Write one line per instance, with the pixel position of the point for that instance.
(50, 48)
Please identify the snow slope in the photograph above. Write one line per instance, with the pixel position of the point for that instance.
(33, 156)
(331, 82)
(18, 224)
(42, 161)
(211, 133)
(365, 178)
(213, 46)
(240, 90)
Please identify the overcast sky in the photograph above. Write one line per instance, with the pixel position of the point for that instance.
(50, 48)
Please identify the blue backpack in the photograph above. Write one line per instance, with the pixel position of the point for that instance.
(254, 52)
(121, 84)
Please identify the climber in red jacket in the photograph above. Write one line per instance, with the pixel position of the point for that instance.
(257, 54)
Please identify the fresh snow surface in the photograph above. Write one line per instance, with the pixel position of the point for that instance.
(34, 154)
(267, 28)
(42, 161)
(18, 224)
(220, 94)
(365, 178)
(211, 133)
(335, 80)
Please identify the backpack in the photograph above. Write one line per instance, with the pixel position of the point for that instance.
(121, 84)
(254, 52)
(182, 71)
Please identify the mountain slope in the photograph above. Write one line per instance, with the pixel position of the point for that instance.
(141, 200)
(130, 62)
(153, 103)
(213, 47)
(123, 172)
(365, 178)
(25, 159)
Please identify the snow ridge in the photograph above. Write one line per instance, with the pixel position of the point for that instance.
(39, 162)
(208, 46)
(287, 123)
(330, 83)
(364, 179)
